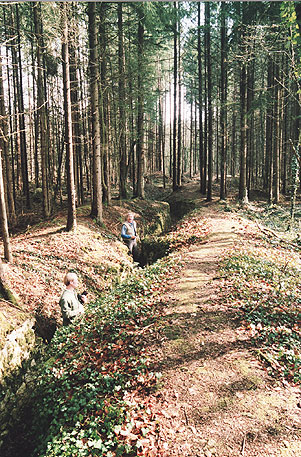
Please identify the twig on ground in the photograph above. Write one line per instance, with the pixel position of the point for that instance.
(185, 414)
(13, 305)
(243, 445)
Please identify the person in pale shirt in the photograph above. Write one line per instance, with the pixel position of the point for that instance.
(129, 235)
(71, 303)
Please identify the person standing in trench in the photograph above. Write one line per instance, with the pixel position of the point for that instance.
(129, 235)
(71, 303)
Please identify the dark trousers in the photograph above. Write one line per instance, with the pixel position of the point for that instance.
(133, 249)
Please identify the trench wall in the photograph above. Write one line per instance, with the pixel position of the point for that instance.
(15, 380)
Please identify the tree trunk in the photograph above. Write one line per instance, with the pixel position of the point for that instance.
(200, 96)
(10, 122)
(276, 135)
(5, 291)
(175, 82)
(140, 107)
(223, 111)
(96, 210)
(4, 146)
(24, 160)
(41, 108)
(71, 220)
(75, 111)
(268, 135)
(3, 215)
(250, 115)
(180, 153)
(191, 149)
(132, 139)
(243, 192)
(16, 138)
(121, 102)
(209, 92)
(163, 139)
(35, 115)
(105, 108)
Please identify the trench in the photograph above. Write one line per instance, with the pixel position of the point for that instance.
(15, 441)
(153, 248)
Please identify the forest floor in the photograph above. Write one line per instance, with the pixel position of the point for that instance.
(43, 252)
(217, 398)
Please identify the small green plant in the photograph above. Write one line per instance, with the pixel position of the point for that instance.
(268, 293)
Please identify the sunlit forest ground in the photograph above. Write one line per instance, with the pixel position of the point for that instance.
(99, 390)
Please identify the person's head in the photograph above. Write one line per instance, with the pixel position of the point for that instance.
(70, 279)
(129, 217)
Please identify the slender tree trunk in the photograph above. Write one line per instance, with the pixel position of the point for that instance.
(206, 114)
(105, 120)
(35, 115)
(75, 111)
(4, 146)
(96, 210)
(121, 102)
(3, 217)
(268, 133)
(41, 108)
(200, 96)
(16, 138)
(285, 128)
(163, 139)
(10, 121)
(223, 112)
(24, 159)
(250, 115)
(180, 152)
(195, 139)
(243, 192)
(160, 130)
(71, 220)
(276, 131)
(132, 139)
(210, 113)
(191, 149)
(171, 171)
(175, 82)
(140, 108)
(85, 132)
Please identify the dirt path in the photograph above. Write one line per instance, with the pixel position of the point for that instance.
(217, 400)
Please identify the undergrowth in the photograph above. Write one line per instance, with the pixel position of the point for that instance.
(91, 397)
(276, 217)
(268, 292)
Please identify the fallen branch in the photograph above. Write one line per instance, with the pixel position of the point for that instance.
(243, 445)
(185, 414)
(270, 232)
(13, 305)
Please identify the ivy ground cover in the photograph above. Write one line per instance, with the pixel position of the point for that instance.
(93, 394)
(265, 285)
